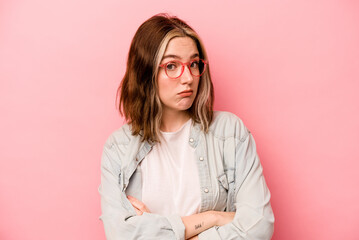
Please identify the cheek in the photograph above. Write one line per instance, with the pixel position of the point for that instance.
(165, 87)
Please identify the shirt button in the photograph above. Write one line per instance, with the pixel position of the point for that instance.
(206, 190)
(191, 140)
(201, 158)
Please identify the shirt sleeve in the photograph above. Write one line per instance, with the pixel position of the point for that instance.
(254, 218)
(118, 215)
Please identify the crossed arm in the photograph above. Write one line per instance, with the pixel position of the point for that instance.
(194, 224)
(253, 219)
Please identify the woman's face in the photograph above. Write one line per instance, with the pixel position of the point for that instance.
(178, 94)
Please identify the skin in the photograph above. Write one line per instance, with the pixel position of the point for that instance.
(195, 223)
(174, 103)
(174, 115)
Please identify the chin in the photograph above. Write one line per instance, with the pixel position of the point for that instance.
(185, 107)
(179, 106)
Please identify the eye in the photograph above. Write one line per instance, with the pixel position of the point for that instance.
(171, 66)
(195, 64)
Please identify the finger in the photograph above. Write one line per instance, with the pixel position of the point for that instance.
(138, 204)
(135, 202)
(138, 212)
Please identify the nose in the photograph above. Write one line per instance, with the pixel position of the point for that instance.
(186, 76)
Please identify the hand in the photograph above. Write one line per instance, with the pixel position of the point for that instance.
(193, 238)
(224, 217)
(139, 206)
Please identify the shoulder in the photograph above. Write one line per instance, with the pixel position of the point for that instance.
(116, 149)
(121, 136)
(228, 125)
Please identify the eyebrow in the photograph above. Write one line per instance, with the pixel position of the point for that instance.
(177, 57)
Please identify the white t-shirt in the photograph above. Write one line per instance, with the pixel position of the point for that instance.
(170, 180)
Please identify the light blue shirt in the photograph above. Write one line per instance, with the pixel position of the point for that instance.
(230, 175)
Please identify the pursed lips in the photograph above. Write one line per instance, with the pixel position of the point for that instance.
(186, 93)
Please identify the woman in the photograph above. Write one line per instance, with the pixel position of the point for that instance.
(178, 170)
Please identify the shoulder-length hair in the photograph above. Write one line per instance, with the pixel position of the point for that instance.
(138, 91)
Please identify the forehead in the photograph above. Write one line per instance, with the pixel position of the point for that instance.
(182, 47)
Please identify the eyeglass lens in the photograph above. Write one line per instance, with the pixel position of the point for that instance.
(175, 69)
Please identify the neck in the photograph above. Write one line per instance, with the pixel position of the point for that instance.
(172, 120)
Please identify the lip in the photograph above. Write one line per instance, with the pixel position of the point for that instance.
(186, 93)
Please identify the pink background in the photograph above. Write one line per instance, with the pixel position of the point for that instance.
(289, 69)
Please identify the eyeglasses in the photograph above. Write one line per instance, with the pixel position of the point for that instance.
(174, 69)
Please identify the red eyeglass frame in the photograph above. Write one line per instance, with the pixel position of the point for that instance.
(188, 64)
